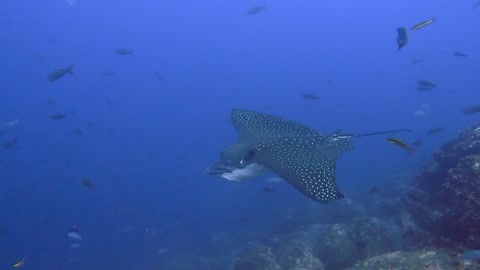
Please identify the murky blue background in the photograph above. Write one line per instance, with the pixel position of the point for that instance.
(146, 140)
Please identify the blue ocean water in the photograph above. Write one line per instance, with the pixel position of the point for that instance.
(145, 136)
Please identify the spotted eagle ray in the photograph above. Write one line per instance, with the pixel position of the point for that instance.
(297, 153)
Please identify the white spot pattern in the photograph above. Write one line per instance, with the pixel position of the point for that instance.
(301, 155)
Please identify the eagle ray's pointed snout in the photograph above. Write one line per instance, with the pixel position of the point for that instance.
(216, 169)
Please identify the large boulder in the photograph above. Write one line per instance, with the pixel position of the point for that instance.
(404, 260)
(321, 246)
(258, 258)
(445, 195)
(292, 252)
(341, 245)
(297, 254)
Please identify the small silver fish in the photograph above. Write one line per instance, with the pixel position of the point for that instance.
(10, 123)
(162, 251)
(422, 24)
(75, 246)
(75, 235)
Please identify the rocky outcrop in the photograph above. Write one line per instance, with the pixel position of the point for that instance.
(445, 197)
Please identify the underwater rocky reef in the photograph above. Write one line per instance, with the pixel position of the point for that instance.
(445, 196)
(432, 224)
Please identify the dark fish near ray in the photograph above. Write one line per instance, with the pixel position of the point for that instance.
(159, 76)
(51, 102)
(297, 153)
(459, 54)
(86, 182)
(311, 96)
(374, 190)
(108, 100)
(76, 131)
(9, 144)
(416, 60)
(59, 73)
(57, 116)
(256, 9)
(402, 37)
(39, 57)
(477, 4)
(109, 74)
(123, 51)
(426, 83)
(472, 109)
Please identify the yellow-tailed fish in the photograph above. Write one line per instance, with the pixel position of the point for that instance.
(19, 263)
(400, 143)
(422, 24)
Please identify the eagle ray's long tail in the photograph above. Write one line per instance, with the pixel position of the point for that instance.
(349, 135)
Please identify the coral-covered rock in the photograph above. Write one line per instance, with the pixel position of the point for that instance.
(445, 197)
(426, 260)
(412, 236)
(341, 245)
(297, 254)
(258, 258)
(321, 246)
